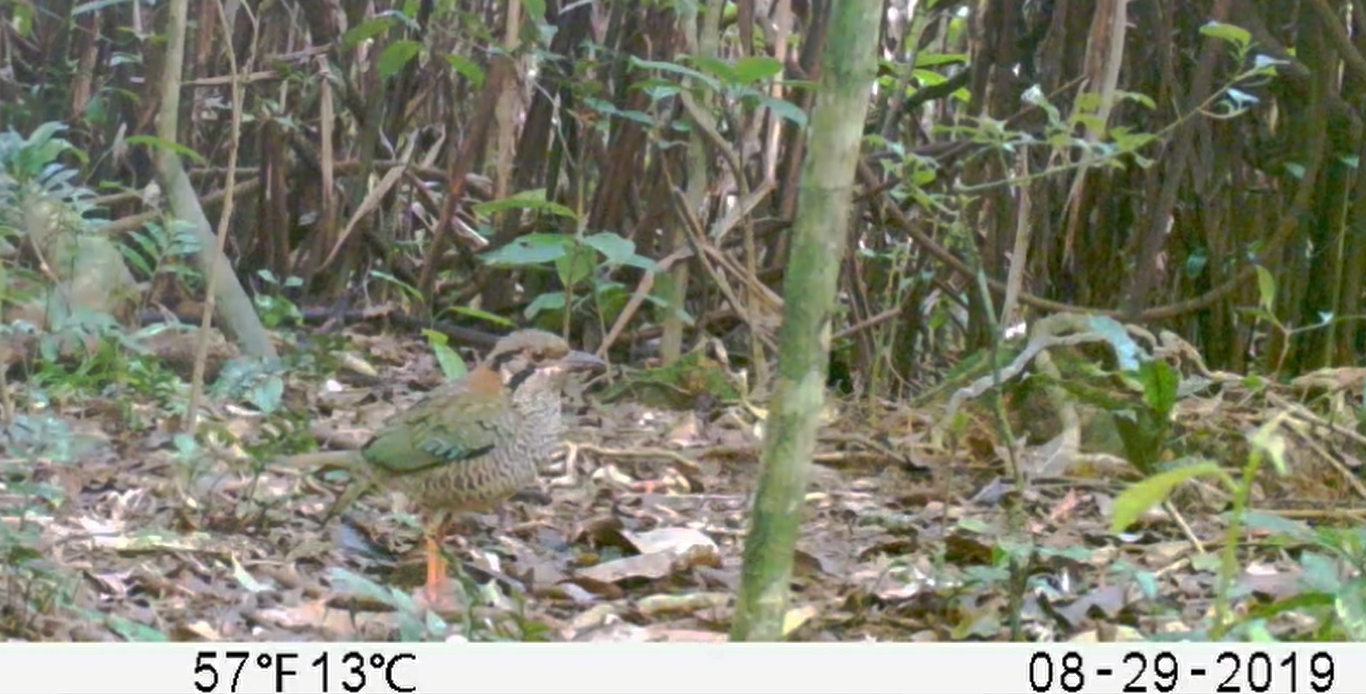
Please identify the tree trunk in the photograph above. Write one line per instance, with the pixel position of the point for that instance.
(818, 242)
(234, 306)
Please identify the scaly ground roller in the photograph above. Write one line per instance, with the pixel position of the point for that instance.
(473, 442)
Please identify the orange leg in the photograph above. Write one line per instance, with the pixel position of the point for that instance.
(438, 582)
(436, 569)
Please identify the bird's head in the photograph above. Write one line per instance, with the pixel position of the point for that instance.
(535, 361)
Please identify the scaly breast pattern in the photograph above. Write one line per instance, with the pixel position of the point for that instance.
(523, 438)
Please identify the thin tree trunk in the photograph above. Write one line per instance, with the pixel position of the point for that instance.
(809, 285)
(235, 308)
(703, 41)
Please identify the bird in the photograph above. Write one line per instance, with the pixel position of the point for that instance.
(470, 443)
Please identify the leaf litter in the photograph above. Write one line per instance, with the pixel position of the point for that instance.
(637, 533)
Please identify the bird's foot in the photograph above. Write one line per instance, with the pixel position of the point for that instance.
(441, 598)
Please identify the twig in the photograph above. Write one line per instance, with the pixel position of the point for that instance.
(698, 239)
(371, 202)
(224, 221)
(1185, 527)
(639, 453)
(642, 290)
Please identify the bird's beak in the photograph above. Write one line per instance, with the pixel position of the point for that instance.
(582, 361)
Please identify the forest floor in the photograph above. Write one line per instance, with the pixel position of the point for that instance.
(904, 537)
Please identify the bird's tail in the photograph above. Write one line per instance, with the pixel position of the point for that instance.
(351, 460)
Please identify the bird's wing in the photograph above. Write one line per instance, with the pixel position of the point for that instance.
(456, 422)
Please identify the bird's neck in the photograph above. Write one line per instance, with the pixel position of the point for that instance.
(538, 400)
(535, 396)
(484, 380)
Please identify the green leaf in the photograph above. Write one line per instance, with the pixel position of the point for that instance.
(44, 133)
(1087, 102)
(532, 249)
(677, 69)
(612, 246)
(933, 59)
(1136, 500)
(347, 582)
(525, 200)
(186, 445)
(1267, 440)
(1320, 574)
(1160, 382)
(576, 266)
(1350, 609)
(154, 142)
(717, 68)
(367, 30)
(267, 394)
(1128, 141)
(468, 68)
(786, 110)
(1127, 352)
(754, 68)
(1309, 601)
(482, 315)
(611, 298)
(1278, 525)
(549, 301)
(407, 289)
(135, 631)
(606, 108)
(1137, 97)
(1209, 561)
(396, 56)
(451, 363)
(1235, 35)
(642, 262)
(657, 88)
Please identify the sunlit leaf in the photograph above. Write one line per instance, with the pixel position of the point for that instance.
(549, 301)
(157, 143)
(532, 249)
(1147, 493)
(467, 67)
(755, 68)
(396, 56)
(1236, 35)
(452, 366)
(525, 200)
(482, 315)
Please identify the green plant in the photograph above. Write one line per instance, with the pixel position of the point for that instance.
(259, 382)
(584, 264)
(30, 586)
(276, 310)
(161, 248)
(1266, 443)
(1332, 562)
(418, 624)
(1142, 411)
(452, 366)
(734, 81)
